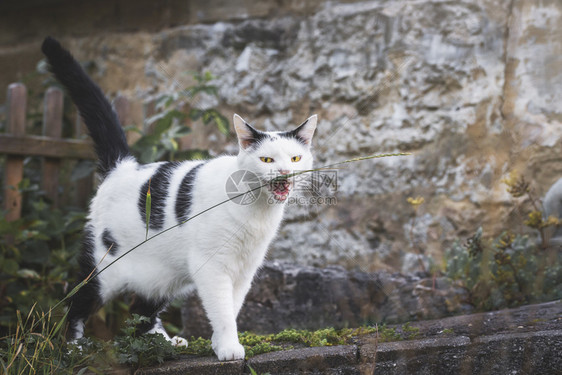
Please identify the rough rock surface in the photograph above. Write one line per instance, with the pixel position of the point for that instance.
(291, 296)
(472, 88)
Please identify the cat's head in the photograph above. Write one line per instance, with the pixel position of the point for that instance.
(271, 154)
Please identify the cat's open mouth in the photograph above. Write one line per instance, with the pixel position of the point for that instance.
(280, 189)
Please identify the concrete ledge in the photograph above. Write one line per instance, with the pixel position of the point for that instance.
(389, 351)
(504, 353)
(524, 340)
(302, 360)
(195, 365)
(508, 353)
(432, 355)
(516, 353)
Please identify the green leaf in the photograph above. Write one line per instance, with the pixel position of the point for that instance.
(149, 155)
(182, 131)
(195, 114)
(207, 116)
(28, 274)
(82, 169)
(222, 124)
(163, 125)
(59, 325)
(164, 102)
(148, 206)
(208, 76)
(132, 128)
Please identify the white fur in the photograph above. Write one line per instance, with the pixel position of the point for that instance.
(218, 252)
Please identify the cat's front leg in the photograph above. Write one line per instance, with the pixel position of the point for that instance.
(215, 290)
(240, 290)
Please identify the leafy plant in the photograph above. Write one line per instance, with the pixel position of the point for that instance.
(508, 271)
(511, 269)
(519, 187)
(168, 125)
(38, 255)
(141, 350)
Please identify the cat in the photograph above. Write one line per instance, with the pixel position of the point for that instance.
(217, 252)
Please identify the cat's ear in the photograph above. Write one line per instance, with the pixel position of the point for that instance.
(247, 135)
(306, 130)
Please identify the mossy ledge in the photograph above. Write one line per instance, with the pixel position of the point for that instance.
(464, 344)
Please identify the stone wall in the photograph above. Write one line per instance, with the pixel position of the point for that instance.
(472, 89)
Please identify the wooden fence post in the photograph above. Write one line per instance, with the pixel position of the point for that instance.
(13, 171)
(52, 127)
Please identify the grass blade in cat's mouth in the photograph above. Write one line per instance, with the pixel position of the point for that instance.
(280, 187)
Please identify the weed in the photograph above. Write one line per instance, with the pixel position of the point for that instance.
(199, 346)
(42, 348)
(511, 269)
(387, 334)
(410, 332)
(137, 350)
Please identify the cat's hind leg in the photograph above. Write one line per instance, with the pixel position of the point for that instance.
(84, 303)
(87, 300)
(151, 309)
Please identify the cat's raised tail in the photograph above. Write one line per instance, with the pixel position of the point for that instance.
(96, 111)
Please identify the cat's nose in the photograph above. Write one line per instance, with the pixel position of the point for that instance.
(284, 171)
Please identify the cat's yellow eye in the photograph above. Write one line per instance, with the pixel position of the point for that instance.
(266, 159)
(294, 159)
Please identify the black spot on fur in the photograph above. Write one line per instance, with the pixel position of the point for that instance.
(185, 197)
(96, 111)
(294, 134)
(109, 242)
(257, 136)
(148, 308)
(87, 300)
(159, 184)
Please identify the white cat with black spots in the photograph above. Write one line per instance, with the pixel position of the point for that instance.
(217, 252)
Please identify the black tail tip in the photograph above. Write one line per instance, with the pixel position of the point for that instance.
(50, 46)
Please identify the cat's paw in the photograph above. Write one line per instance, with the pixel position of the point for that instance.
(73, 347)
(179, 341)
(230, 352)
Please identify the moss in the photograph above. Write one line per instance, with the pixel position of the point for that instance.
(260, 348)
(388, 334)
(410, 332)
(290, 338)
(198, 346)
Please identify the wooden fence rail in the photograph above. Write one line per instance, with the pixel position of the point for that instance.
(16, 145)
